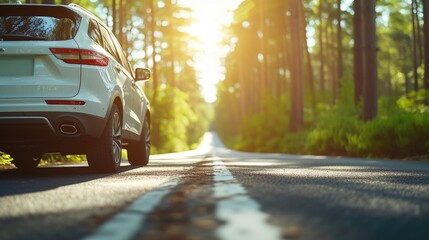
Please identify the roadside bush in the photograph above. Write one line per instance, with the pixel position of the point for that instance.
(264, 132)
(336, 132)
(177, 122)
(395, 133)
(401, 129)
(400, 134)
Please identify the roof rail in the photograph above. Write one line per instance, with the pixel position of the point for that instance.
(82, 9)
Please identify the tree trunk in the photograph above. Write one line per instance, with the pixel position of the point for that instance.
(243, 90)
(339, 42)
(321, 46)
(283, 29)
(114, 23)
(153, 43)
(121, 23)
(171, 47)
(414, 44)
(296, 115)
(263, 56)
(404, 52)
(370, 60)
(155, 127)
(333, 61)
(125, 27)
(357, 52)
(389, 75)
(419, 35)
(309, 65)
(426, 43)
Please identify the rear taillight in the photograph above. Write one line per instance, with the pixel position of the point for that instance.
(80, 56)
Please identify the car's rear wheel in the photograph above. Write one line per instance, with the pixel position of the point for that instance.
(138, 153)
(26, 161)
(104, 156)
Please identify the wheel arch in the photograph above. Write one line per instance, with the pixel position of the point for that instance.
(148, 115)
(118, 102)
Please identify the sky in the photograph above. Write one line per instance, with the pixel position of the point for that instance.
(210, 16)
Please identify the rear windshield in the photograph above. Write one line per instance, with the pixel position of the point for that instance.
(37, 23)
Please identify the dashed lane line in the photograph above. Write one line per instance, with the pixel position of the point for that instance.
(127, 224)
(242, 215)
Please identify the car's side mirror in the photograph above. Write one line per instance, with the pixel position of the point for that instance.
(142, 74)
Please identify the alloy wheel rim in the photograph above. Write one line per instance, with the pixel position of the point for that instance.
(117, 138)
(147, 139)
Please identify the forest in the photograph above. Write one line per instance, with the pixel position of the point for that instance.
(329, 77)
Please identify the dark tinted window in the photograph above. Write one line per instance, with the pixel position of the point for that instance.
(20, 23)
(108, 44)
(36, 28)
(122, 57)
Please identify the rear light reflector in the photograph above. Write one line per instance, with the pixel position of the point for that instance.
(65, 102)
(80, 56)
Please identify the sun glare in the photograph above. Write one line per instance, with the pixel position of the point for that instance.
(210, 17)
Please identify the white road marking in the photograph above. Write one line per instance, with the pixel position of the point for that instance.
(242, 215)
(127, 224)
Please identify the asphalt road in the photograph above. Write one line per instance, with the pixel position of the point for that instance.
(216, 193)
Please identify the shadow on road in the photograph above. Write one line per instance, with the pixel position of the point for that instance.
(47, 177)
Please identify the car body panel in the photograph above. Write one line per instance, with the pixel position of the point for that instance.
(30, 70)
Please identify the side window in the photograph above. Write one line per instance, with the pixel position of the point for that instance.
(94, 32)
(108, 44)
(122, 56)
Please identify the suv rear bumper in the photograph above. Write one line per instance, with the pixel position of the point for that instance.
(47, 127)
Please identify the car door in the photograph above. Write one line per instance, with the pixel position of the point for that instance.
(122, 79)
(135, 101)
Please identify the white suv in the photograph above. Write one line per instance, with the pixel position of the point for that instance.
(66, 86)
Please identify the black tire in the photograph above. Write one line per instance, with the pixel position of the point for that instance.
(26, 161)
(105, 155)
(138, 153)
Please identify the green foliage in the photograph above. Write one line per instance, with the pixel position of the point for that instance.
(260, 131)
(399, 134)
(204, 116)
(395, 134)
(336, 132)
(179, 123)
(5, 159)
(415, 101)
(267, 131)
(336, 129)
(55, 158)
(49, 158)
(401, 130)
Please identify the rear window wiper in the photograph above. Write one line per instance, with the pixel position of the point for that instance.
(19, 37)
